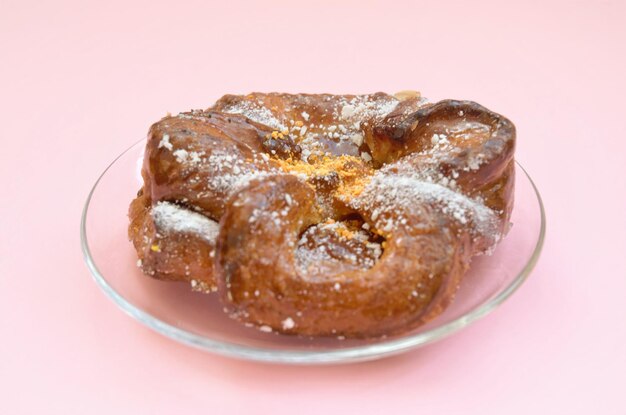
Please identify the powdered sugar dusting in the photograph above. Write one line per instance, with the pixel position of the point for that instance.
(352, 116)
(330, 247)
(165, 142)
(392, 198)
(288, 323)
(255, 112)
(346, 135)
(363, 108)
(170, 217)
(231, 172)
(393, 191)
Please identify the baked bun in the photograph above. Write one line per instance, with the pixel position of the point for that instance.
(325, 215)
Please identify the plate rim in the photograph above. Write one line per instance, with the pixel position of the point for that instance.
(344, 355)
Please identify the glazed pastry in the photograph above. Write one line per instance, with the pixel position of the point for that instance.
(325, 215)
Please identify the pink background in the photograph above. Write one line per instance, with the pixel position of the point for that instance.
(80, 83)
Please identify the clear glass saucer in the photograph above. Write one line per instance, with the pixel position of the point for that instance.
(196, 319)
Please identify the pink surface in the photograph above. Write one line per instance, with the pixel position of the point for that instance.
(81, 83)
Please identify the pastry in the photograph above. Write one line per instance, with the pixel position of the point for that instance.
(325, 215)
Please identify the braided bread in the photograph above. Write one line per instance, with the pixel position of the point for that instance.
(325, 215)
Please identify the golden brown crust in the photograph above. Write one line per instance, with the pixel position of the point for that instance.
(405, 287)
(351, 215)
(169, 254)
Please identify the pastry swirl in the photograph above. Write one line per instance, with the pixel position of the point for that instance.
(325, 215)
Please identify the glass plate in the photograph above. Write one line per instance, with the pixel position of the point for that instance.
(197, 319)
